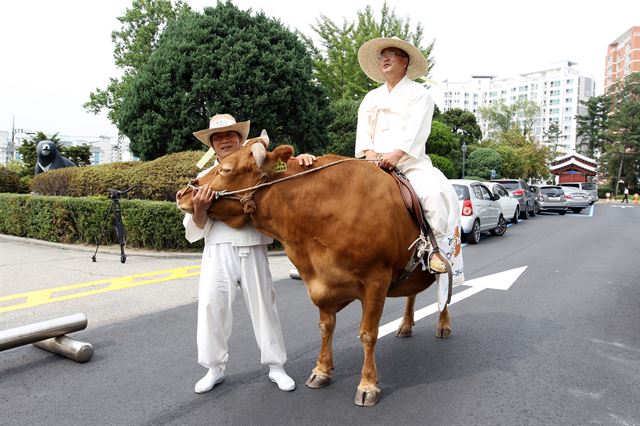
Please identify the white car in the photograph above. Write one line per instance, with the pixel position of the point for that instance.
(510, 205)
(479, 210)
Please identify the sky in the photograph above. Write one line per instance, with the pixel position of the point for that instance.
(54, 53)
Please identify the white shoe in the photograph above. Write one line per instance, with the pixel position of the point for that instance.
(279, 377)
(212, 378)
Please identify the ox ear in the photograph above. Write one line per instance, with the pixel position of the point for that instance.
(264, 136)
(259, 153)
(281, 153)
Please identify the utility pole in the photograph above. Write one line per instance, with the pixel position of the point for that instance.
(11, 146)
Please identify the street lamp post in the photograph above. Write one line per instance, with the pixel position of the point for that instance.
(464, 154)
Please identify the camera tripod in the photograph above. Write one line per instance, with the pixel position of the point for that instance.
(115, 195)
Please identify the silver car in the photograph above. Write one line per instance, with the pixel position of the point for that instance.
(577, 199)
(552, 199)
(590, 188)
(479, 210)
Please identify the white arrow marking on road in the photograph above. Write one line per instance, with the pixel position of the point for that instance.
(500, 281)
(623, 207)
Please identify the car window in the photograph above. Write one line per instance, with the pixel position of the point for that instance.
(589, 186)
(477, 192)
(486, 194)
(462, 191)
(511, 185)
(552, 192)
(501, 191)
(573, 185)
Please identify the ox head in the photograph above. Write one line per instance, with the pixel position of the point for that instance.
(250, 165)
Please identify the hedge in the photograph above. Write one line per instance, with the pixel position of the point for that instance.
(149, 224)
(9, 180)
(151, 180)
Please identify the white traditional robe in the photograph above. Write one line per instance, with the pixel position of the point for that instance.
(401, 119)
(234, 259)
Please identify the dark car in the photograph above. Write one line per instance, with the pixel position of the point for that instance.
(521, 191)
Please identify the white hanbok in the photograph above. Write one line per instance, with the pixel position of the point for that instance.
(401, 119)
(234, 259)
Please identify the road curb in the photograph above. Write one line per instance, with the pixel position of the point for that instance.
(114, 249)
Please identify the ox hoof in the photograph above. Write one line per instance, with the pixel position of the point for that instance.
(317, 381)
(443, 333)
(367, 398)
(404, 332)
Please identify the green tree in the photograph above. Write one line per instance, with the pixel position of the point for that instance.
(446, 166)
(79, 154)
(481, 161)
(592, 127)
(342, 130)
(513, 162)
(501, 117)
(336, 63)
(624, 132)
(134, 42)
(464, 123)
(28, 152)
(444, 144)
(224, 60)
(553, 136)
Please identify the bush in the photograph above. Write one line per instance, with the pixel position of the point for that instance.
(149, 224)
(9, 180)
(153, 180)
(445, 165)
(602, 191)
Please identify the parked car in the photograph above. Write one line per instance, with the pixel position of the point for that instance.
(480, 210)
(590, 188)
(510, 206)
(552, 199)
(536, 197)
(577, 199)
(520, 190)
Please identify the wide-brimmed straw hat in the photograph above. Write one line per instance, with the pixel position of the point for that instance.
(369, 51)
(223, 123)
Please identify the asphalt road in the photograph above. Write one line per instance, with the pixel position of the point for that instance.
(560, 346)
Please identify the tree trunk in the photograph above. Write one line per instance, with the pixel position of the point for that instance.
(619, 173)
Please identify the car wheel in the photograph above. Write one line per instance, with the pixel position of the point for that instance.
(576, 210)
(474, 236)
(514, 219)
(501, 228)
(524, 215)
(562, 213)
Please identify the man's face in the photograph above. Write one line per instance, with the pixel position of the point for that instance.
(225, 143)
(393, 63)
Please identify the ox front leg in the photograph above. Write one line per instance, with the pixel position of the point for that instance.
(321, 374)
(368, 391)
(407, 321)
(444, 324)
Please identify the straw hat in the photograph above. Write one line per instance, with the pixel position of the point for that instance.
(223, 123)
(369, 51)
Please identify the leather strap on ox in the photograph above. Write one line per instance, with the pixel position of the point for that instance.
(419, 246)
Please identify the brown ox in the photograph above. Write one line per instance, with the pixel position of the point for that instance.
(346, 230)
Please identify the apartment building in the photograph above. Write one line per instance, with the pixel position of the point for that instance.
(623, 57)
(557, 90)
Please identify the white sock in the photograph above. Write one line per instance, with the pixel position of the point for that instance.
(281, 378)
(213, 377)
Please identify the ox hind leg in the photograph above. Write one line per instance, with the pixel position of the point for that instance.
(407, 320)
(444, 324)
(368, 391)
(321, 374)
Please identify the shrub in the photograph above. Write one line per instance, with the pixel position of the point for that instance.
(445, 165)
(149, 224)
(154, 180)
(9, 180)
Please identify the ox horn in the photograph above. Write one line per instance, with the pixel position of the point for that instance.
(264, 136)
(259, 153)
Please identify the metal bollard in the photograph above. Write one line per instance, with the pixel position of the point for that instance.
(31, 333)
(293, 273)
(68, 348)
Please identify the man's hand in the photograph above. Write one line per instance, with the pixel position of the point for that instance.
(202, 199)
(390, 160)
(306, 159)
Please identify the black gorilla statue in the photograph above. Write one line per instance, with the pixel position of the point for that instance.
(49, 158)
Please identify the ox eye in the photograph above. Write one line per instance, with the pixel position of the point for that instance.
(225, 170)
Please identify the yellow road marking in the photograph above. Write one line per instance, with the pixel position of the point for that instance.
(76, 291)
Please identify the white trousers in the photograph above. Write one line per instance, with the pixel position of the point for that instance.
(441, 209)
(224, 270)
